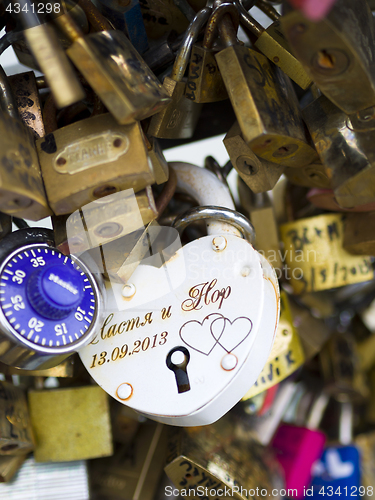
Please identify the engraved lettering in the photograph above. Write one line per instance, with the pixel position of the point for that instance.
(200, 296)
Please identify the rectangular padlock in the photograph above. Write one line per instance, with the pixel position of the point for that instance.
(116, 72)
(70, 424)
(135, 469)
(337, 52)
(16, 434)
(9, 466)
(265, 104)
(259, 174)
(26, 96)
(72, 160)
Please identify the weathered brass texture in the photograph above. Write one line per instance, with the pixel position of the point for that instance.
(16, 435)
(70, 424)
(91, 159)
(337, 52)
(266, 107)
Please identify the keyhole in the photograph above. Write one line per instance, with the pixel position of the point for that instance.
(177, 361)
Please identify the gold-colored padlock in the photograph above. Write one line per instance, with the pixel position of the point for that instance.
(70, 424)
(260, 210)
(264, 102)
(26, 96)
(159, 163)
(286, 355)
(115, 71)
(205, 83)
(91, 159)
(54, 64)
(21, 187)
(273, 44)
(315, 258)
(359, 236)
(337, 52)
(9, 466)
(16, 433)
(259, 174)
(345, 147)
(178, 120)
(214, 461)
(344, 378)
(135, 469)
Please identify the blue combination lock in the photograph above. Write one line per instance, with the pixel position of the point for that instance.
(50, 303)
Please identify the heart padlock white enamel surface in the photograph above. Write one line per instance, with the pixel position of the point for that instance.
(185, 352)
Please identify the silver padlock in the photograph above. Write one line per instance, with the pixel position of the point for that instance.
(189, 333)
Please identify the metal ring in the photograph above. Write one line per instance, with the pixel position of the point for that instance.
(219, 214)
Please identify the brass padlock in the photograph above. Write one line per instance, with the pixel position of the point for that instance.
(21, 187)
(26, 96)
(359, 237)
(345, 147)
(337, 52)
(264, 102)
(273, 44)
(16, 434)
(217, 462)
(345, 380)
(260, 210)
(134, 470)
(72, 160)
(110, 219)
(159, 163)
(115, 71)
(315, 257)
(179, 118)
(70, 424)
(314, 175)
(52, 60)
(9, 466)
(286, 355)
(259, 174)
(205, 83)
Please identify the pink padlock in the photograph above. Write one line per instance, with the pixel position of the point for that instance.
(297, 448)
(313, 9)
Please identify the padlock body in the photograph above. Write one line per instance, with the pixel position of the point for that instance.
(167, 317)
(273, 44)
(204, 83)
(297, 448)
(21, 186)
(337, 470)
(16, 434)
(93, 158)
(118, 75)
(337, 53)
(179, 119)
(265, 106)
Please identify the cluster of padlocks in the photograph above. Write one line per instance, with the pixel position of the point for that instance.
(167, 331)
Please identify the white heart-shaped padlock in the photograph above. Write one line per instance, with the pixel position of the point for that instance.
(186, 357)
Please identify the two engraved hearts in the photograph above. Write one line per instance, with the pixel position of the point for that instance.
(215, 329)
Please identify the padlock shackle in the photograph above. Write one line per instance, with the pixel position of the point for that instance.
(7, 101)
(267, 9)
(192, 32)
(248, 21)
(219, 214)
(204, 187)
(217, 15)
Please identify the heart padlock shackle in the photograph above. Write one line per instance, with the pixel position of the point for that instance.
(182, 342)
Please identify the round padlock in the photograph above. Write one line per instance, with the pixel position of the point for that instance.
(50, 303)
(194, 333)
